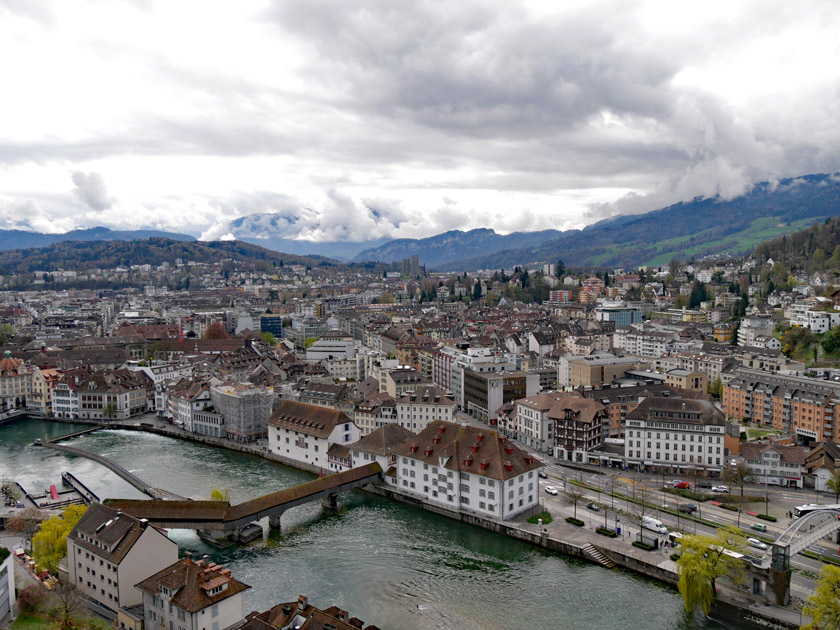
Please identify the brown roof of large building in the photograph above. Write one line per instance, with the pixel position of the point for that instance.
(685, 410)
(789, 453)
(426, 395)
(469, 449)
(383, 440)
(583, 409)
(308, 616)
(309, 419)
(106, 532)
(196, 584)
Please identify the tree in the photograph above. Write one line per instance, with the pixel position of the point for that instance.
(220, 495)
(26, 523)
(823, 607)
(703, 560)
(309, 341)
(575, 494)
(69, 606)
(831, 340)
(561, 269)
(716, 388)
(738, 475)
(833, 484)
(110, 411)
(477, 291)
(49, 545)
(216, 330)
(269, 339)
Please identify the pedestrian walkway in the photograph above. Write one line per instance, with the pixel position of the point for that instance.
(598, 557)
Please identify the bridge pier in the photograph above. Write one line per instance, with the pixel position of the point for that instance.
(274, 522)
(330, 502)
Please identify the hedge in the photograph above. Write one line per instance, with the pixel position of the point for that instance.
(574, 521)
(688, 494)
(606, 532)
(675, 556)
(642, 545)
(731, 508)
(766, 517)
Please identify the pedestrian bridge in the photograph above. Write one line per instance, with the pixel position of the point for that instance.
(773, 567)
(221, 516)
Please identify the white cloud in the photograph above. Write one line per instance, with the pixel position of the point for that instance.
(90, 189)
(360, 119)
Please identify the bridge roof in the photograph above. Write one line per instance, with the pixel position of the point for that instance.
(222, 511)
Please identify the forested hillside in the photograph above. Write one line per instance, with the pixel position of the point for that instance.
(812, 249)
(80, 256)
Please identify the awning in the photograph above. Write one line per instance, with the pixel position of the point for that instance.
(648, 463)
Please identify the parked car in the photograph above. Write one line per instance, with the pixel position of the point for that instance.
(720, 489)
(542, 474)
(682, 484)
(551, 490)
(759, 527)
(688, 508)
(704, 484)
(755, 542)
(593, 506)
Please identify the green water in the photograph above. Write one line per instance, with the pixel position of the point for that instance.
(386, 563)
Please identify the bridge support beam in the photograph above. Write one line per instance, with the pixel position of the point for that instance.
(330, 502)
(274, 522)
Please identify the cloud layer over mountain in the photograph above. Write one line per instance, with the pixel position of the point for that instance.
(333, 120)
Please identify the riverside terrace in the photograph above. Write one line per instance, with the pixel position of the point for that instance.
(222, 516)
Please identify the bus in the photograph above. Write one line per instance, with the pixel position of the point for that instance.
(802, 510)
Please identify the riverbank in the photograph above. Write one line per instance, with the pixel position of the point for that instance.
(561, 538)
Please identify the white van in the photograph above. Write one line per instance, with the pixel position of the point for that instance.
(648, 522)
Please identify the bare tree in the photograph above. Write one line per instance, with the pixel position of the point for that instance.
(69, 606)
(738, 475)
(574, 494)
(26, 523)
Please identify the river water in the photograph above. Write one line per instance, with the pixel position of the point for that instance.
(388, 564)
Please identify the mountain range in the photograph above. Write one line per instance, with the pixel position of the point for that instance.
(694, 228)
(454, 246)
(17, 239)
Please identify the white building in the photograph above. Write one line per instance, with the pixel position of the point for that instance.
(532, 426)
(679, 434)
(65, 401)
(108, 552)
(775, 464)
(304, 433)
(468, 469)
(7, 590)
(331, 348)
(426, 404)
(192, 596)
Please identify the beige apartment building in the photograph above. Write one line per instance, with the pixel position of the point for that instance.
(108, 552)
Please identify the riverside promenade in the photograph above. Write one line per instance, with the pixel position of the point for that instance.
(558, 536)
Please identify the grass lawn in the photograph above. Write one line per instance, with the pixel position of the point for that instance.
(760, 433)
(29, 621)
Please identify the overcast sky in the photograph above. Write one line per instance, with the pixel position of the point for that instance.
(354, 120)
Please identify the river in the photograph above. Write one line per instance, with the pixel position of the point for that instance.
(388, 564)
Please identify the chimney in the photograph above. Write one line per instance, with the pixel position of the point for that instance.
(188, 557)
(286, 609)
(205, 559)
(302, 602)
(342, 615)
